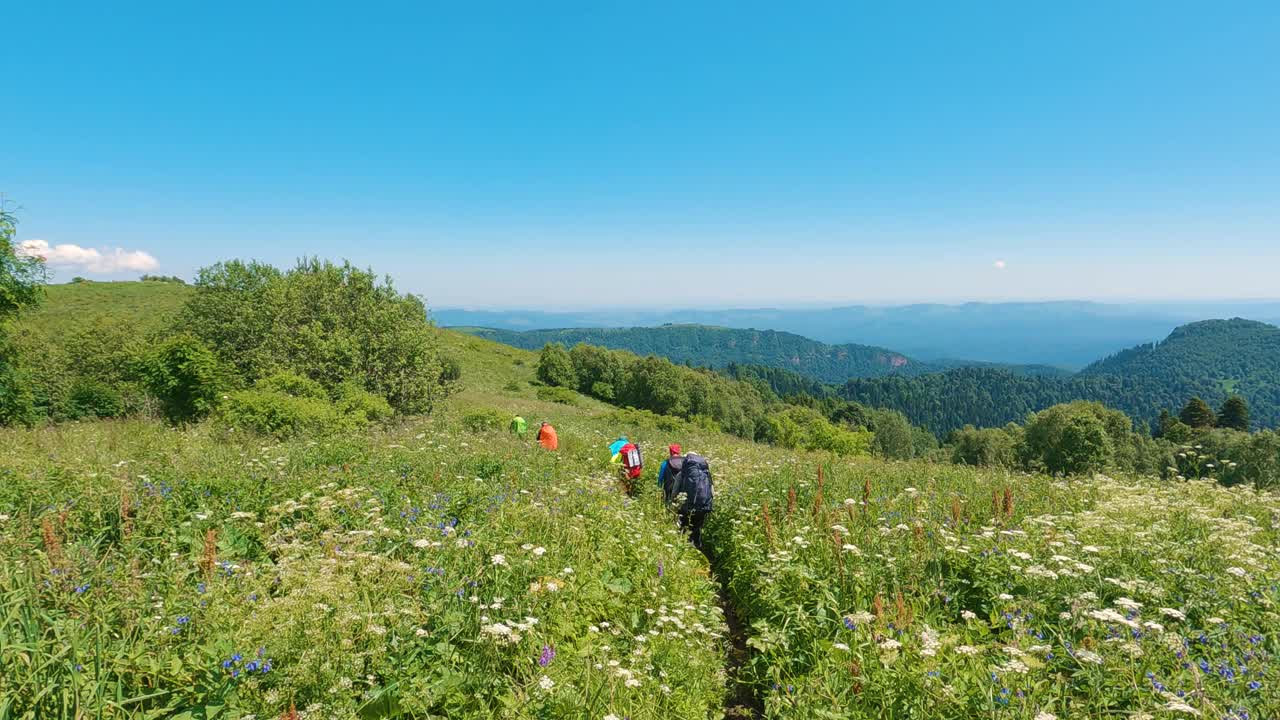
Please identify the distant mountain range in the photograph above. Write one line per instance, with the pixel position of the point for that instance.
(1064, 334)
(719, 347)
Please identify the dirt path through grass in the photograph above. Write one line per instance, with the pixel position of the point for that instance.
(743, 701)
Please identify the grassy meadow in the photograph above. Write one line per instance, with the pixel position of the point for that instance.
(439, 567)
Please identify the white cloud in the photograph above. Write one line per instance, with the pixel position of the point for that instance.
(999, 264)
(106, 260)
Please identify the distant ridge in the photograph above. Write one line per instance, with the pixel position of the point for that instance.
(1211, 359)
(1068, 334)
(719, 347)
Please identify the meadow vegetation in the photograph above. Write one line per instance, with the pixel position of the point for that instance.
(288, 495)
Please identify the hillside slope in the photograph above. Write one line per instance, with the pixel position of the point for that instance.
(1211, 359)
(71, 306)
(719, 347)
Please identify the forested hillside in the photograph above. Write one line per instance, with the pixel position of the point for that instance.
(717, 347)
(1209, 359)
(720, 347)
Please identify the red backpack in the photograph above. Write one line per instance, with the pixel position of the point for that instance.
(632, 461)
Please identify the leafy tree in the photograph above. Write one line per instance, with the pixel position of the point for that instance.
(20, 280)
(656, 384)
(594, 366)
(20, 276)
(233, 314)
(893, 438)
(327, 322)
(92, 398)
(988, 447)
(1234, 414)
(1178, 432)
(17, 400)
(183, 374)
(1197, 415)
(798, 427)
(1071, 438)
(555, 367)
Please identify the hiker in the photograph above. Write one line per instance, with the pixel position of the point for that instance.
(695, 483)
(632, 466)
(669, 473)
(518, 426)
(547, 436)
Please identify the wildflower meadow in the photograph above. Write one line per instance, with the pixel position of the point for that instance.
(442, 567)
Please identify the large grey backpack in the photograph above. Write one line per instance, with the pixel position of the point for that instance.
(695, 483)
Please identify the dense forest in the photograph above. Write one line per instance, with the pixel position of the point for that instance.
(720, 347)
(1211, 359)
(716, 347)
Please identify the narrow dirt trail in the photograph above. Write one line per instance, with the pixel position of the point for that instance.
(743, 701)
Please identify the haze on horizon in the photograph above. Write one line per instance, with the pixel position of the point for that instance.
(576, 156)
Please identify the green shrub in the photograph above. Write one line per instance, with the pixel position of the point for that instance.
(183, 374)
(631, 417)
(91, 398)
(805, 428)
(291, 383)
(512, 386)
(331, 323)
(561, 395)
(275, 413)
(483, 420)
(17, 401)
(988, 447)
(360, 404)
(604, 391)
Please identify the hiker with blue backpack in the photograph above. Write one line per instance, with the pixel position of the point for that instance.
(688, 480)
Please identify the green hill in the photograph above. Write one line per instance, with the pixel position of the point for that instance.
(1209, 359)
(69, 306)
(718, 347)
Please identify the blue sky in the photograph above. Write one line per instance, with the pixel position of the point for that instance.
(566, 155)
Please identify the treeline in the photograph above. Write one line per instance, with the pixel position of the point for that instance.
(716, 347)
(1214, 360)
(1082, 436)
(1063, 438)
(708, 399)
(318, 346)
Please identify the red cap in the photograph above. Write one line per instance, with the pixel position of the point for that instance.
(675, 449)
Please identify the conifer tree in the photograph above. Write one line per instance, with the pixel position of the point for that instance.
(1198, 415)
(1234, 414)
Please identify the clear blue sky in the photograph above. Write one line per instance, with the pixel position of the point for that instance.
(517, 154)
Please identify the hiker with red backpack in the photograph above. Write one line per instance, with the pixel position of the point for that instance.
(632, 463)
